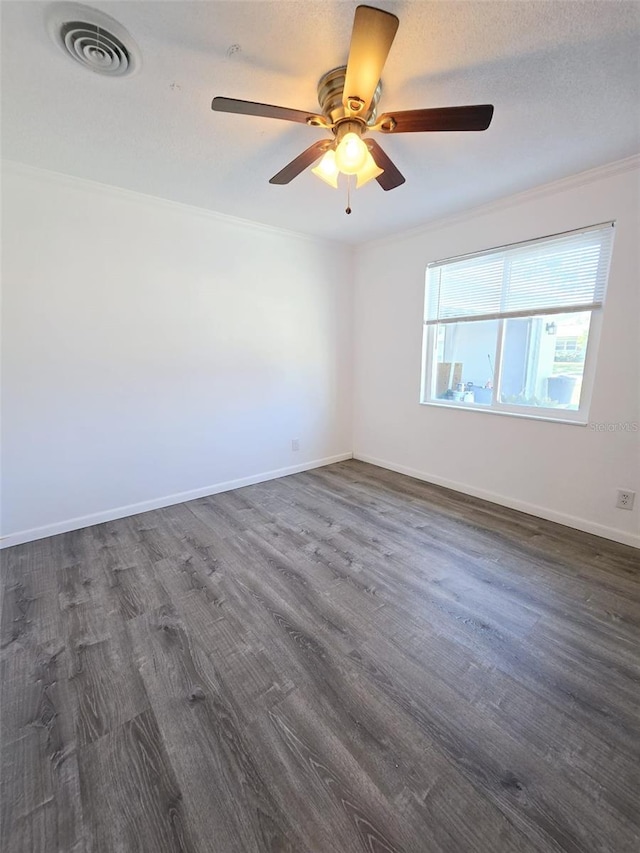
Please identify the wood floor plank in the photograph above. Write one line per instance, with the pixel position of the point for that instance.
(547, 806)
(187, 573)
(225, 795)
(341, 660)
(342, 808)
(130, 793)
(108, 688)
(39, 784)
(609, 773)
(30, 611)
(238, 653)
(134, 590)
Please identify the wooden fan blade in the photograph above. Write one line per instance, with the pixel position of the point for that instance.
(442, 118)
(371, 39)
(302, 162)
(391, 177)
(251, 108)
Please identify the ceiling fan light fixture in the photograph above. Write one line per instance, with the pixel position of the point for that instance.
(348, 97)
(351, 154)
(369, 171)
(327, 169)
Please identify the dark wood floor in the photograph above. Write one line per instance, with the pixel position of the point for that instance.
(342, 660)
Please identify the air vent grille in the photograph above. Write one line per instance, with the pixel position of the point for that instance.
(92, 39)
(95, 48)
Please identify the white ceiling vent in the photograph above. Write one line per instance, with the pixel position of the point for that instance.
(93, 39)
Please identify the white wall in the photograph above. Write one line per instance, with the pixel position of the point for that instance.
(564, 472)
(151, 349)
(154, 352)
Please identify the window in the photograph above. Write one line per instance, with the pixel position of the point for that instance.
(514, 330)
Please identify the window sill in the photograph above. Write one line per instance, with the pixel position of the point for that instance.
(487, 410)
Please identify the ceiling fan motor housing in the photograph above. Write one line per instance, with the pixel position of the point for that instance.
(330, 93)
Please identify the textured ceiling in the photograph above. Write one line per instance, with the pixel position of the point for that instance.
(564, 78)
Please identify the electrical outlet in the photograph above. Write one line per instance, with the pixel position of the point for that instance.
(625, 499)
(295, 444)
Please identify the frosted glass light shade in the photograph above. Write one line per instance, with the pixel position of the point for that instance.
(351, 154)
(368, 172)
(327, 169)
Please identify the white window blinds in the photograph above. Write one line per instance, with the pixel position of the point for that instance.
(566, 272)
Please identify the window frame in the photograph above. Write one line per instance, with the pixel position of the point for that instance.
(578, 416)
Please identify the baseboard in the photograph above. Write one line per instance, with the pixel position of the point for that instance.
(522, 506)
(158, 503)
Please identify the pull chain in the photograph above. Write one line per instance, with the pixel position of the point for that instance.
(348, 208)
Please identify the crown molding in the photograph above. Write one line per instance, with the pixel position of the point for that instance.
(608, 170)
(25, 169)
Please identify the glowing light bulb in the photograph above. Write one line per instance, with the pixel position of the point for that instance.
(351, 154)
(327, 169)
(368, 172)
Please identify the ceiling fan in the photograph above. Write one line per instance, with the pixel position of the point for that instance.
(348, 97)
